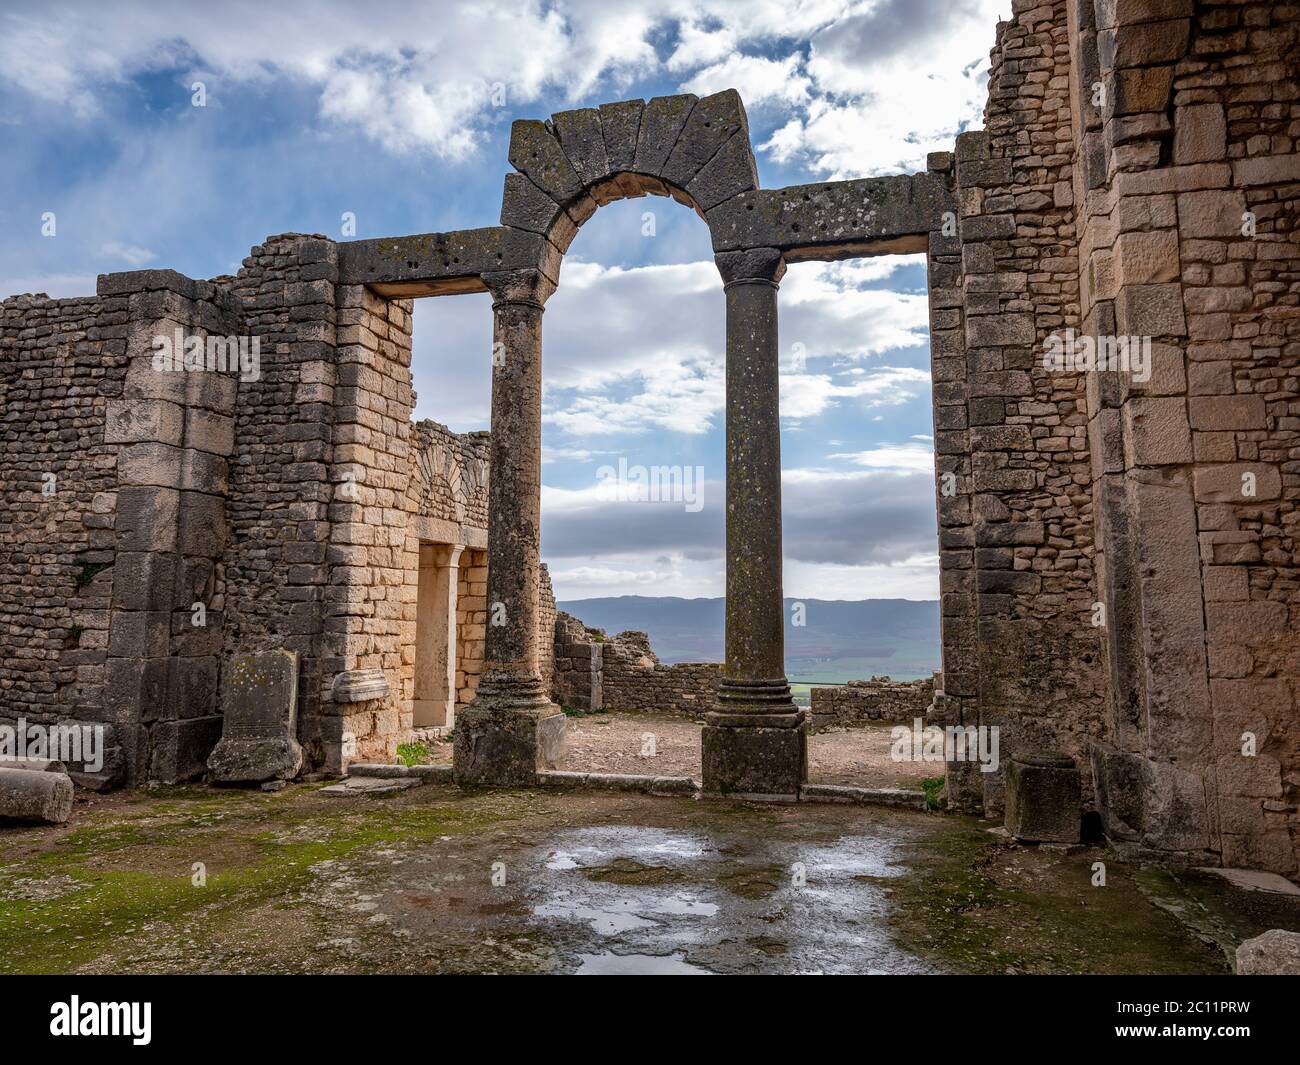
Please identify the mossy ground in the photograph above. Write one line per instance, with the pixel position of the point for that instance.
(301, 882)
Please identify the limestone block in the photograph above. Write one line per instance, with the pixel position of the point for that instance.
(1156, 431)
(1042, 798)
(1241, 482)
(729, 173)
(619, 124)
(661, 123)
(537, 154)
(505, 746)
(754, 761)
(713, 122)
(259, 699)
(1275, 953)
(580, 136)
(1210, 214)
(1200, 134)
(181, 748)
(1144, 258)
(32, 795)
(1151, 310)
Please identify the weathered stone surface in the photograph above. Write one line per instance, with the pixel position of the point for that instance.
(525, 206)
(754, 761)
(620, 123)
(536, 153)
(1042, 798)
(506, 746)
(32, 795)
(259, 701)
(580, 136)
(662, 122)
(425, 264)
(1274, 953)
(714, 121)
(833, 220)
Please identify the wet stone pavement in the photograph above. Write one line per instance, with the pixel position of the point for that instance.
(439, 880)
(624, 898)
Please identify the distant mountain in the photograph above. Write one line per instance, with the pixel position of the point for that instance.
(840, 640)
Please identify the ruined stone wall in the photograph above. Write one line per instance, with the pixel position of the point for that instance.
(374, 580)
(1016, 520)
(277, 566)
(594, 672)
(546, 614)
(471, 623)
(119, 549)
(449, 474)
(877, 699)
(578, 656)
(62, 362)
(1117, 542)
(1188, 236)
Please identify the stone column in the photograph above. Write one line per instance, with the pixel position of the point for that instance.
(512, 728)
(754, 742)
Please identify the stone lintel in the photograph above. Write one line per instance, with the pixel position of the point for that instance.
(441, 264)
(835, 219)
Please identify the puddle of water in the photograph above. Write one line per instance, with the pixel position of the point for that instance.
(609, 964)
(612, 916)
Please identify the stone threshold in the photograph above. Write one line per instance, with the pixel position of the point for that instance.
(377, 777)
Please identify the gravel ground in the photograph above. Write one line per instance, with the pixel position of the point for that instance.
(614, 743)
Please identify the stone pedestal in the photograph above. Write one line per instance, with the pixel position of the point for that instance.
(1042, 798)
(512, 729)
(755, 741)
(505, 746)
(259, 738)
(746, 759)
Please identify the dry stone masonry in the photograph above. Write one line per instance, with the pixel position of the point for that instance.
(877, 699)
(1114, 279)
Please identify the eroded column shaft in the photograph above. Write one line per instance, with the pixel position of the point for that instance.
(512, 729)
(514, 504)
(754, 741)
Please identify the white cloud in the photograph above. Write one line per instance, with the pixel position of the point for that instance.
(896, 458)
(127, 253)
(882, 82)
(759, 80)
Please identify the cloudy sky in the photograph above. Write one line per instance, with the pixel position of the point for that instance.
(400, 114)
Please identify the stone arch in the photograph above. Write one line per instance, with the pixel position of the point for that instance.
(695, 150)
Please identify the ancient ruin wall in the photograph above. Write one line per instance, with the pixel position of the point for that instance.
(1016, 525)
(1190, 183)
(626, 672)
(877, 699)
(62, 362)
(449, 474)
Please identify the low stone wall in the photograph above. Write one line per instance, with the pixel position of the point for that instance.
(877, 699)
(577, 680)
(623, 673)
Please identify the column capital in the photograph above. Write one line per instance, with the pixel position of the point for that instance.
(752, 266)
(529, 287)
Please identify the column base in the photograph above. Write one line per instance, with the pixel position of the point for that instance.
(506, 735)
(767, 758)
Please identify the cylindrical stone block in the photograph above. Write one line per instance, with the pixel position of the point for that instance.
(28, 795)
